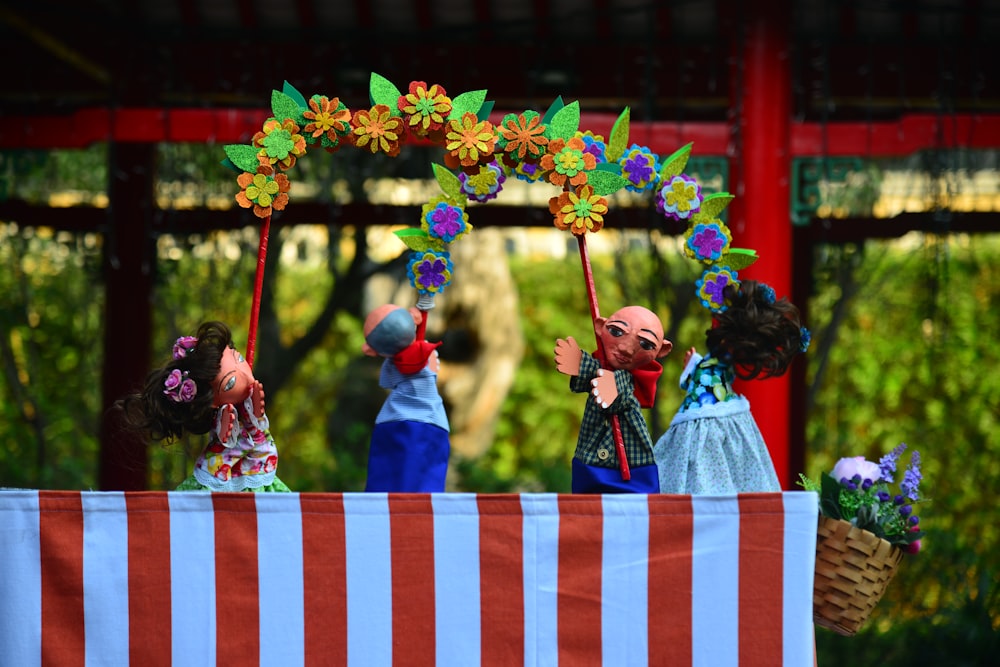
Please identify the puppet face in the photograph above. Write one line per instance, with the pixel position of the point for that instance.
(232, 384)
(632, 338)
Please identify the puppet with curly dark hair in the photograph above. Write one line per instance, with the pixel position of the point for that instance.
(208, 387)
(713, 445)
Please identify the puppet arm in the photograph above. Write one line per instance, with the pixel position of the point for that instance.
(252, 410)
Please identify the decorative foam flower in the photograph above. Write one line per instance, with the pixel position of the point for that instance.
(707, 242)
(378, 130)
(579, 211)
(522, 136)
(594, 144)
(470, 140)
(528, 171)
(329, 121)
(444, 220)
(567, 162)
(429, 271)
(485, 185)
(679, 198)
(425, 109)
(641, 167)
(711, 285)
(280, 143)
(265, 191)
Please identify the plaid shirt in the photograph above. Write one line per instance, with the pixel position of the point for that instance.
(596, 445)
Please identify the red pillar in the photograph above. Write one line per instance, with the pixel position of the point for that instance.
(761, 167)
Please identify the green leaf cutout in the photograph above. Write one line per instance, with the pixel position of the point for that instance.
(290, 90)
(485, 110)
(471, 101)
(605, 182)
(675, 164)
(243, 156)
(740, 258)
(565, 122)
(228, 164)
(618, 141)
(283, 106)
(448, 181)
(418, 240)
(383, 91)
(713, 204)
(556, 105)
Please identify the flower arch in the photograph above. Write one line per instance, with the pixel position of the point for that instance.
(477, 157)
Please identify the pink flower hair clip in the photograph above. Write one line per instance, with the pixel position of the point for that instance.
(184, 345)
(179, 388)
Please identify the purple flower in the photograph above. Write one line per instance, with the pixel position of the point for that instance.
(173, 380)
(856, 465)
(912, 477)
(887, 464)
(445, 222)
(188, 390)
(707, 242)
(184, 345)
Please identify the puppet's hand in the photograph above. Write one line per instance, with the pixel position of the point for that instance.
(434, 362)
(687, 355)
(605, 390)
(257, 399)
(568, 356)
(225, 417)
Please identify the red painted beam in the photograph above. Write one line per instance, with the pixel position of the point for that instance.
(908, 135)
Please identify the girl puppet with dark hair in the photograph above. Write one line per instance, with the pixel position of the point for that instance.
(208, 387)
(713, 445)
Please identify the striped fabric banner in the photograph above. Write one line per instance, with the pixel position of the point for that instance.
(157, 578)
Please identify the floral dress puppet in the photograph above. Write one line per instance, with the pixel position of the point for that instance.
(410, 442)
(713, 445)
(622, 378)
(208, 387)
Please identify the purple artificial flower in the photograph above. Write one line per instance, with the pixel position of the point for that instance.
(188, 390)
(184, 345)
(887, 464)
(708, 242)
(173, 380)
(638, 169)
(445, 222)
(912, 477)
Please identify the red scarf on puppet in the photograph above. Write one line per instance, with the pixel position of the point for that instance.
(414, 356)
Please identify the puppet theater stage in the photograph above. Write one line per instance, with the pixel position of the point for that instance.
(168, 578)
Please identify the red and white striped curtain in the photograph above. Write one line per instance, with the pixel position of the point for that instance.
(158, 578)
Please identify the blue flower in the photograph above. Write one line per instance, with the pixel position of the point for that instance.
(912, 477)
(887, 464)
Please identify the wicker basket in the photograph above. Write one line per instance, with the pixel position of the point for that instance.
(853, 568)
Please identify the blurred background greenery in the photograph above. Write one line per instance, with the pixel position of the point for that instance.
(904, 349)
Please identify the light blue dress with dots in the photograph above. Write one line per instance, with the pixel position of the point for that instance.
(713, 445)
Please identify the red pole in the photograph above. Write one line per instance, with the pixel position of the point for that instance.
(761, 176)
(588, 277)
(257, 288)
